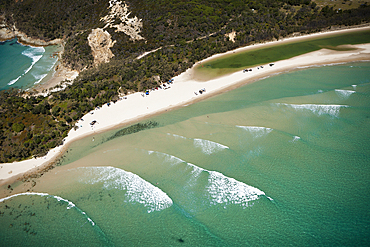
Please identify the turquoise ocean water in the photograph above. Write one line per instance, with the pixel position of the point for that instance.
(280, 162)
(23, 66)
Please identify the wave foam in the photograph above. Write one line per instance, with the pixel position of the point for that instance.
(58, 198)
(332, 110)
(39, 78)
(354, 87)
(177, 136)
(168, 158)
(226, 190)
(34, 54)
(295, 138)
(256, 131)
(344, 93)
(137, 189)
(220, 188)
(14, 81)
(209, 147)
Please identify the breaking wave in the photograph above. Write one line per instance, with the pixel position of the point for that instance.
(219, 188)
(58, 198)
(332, 110)
(39, 78)
(137, 189)
(207, 147)
(35, 53)
(14, 81)
(256, 131)
(344, 93)
(295, 138)
(173, 160)
(225, 190)
(177, 136)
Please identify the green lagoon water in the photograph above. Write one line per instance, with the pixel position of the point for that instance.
(284, 161)
(23, 66)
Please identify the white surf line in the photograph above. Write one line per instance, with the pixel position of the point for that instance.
(31, 54)
(263, 131)
(58, 198)
(14, 81)
(344, 93)
(295, 138)
(207, 146)
(35, 59)
(221, 189)
(256, 130)
(332, 110)
(39, 78)
(137, 189)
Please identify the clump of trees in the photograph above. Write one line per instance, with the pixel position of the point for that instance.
(187, 31)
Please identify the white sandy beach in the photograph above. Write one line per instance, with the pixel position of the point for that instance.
(181, 92)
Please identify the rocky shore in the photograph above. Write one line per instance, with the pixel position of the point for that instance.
(10, 32)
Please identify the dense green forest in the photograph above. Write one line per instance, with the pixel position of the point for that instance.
(187, 31)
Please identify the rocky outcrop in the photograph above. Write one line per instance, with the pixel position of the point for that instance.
(10, 32)
(100, 42)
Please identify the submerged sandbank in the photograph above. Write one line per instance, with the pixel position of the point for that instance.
(184, 90)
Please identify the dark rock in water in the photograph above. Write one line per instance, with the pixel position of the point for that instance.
(181, 240)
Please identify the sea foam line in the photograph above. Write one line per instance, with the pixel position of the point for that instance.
(207, 146)
(255, 130)
(58, 198)
(31, 53)
(344, 93)
(220, 188)
(137, 189)
(39, 78)
(14, 81)
(295, 138)
(332, 110)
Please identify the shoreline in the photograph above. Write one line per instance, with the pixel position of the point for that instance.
(286, 40)
(182, 92)
(58, 72)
